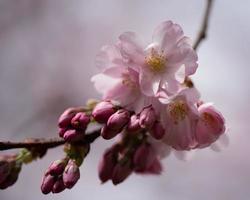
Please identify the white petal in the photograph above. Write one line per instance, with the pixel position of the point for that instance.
(184, 155)
(221, 143)
(103, 83)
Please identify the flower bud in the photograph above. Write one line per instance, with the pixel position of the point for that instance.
(147, 117)
(144, 157)
(107, 163)
(71, 174)
(80, 121)
(15, 168)
(58, 186)
(157, 131)
(133, 124)
(107, 133)
(47, 183)
(155, 168)
(118, 120)
(121, 172)
(210, 126)
(103, 111)
(65, 118)
(62, 131)
(4, 170)
(72, 135)
(57, 167)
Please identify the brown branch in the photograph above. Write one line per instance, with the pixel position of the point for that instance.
(46, 143)
(203, 30)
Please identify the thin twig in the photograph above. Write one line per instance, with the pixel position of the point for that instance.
(46, 143)
(203, 30)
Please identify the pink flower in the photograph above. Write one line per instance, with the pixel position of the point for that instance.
(133, 73)
(164, 62)
(210, 126)
(120, 84)
(180, 119)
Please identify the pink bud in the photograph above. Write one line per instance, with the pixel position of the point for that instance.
(147, 117)
(65, 118)
(144, 157)
(121, 172)
(57, 167)
(9, 181)
(157, 131)
(134, 125)
(80, 121)
(72, 135)
(62, 131)
(47, 183)
(15, 168)
(71, 174)
(103, 111)
(5, 168)
(107, 133)
(107, 163)
(118, 120)
(155, 168)
(58, 186)
(210, 126)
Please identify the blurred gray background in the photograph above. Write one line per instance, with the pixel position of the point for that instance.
(47, 53)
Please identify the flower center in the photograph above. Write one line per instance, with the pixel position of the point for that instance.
(128, 81)
(156, 62)
(178, 110)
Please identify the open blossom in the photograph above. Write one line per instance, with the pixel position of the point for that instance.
(133, 73)
(180, 118)
(120, 84)
(164, 62)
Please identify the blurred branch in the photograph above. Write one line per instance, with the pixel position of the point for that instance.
(47, 143)
(204, 26)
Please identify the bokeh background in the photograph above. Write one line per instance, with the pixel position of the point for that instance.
(47, 53)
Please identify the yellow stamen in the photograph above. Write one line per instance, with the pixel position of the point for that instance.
(126, 80)
(178, 110)
(156, 62)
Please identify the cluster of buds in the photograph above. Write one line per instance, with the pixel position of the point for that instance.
(132, 154)
(118, 119)
(9, 170)
(64, 173)
(73, 123)
(61, 174)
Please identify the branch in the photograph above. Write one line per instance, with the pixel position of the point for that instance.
(47, 143)
(203, 30)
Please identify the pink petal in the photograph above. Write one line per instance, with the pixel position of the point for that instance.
(183, 54)
(167, 35)
(114, 72)
(149, 83)
(121, 93)
(108, 56)
(131, 47)
(103, 83)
